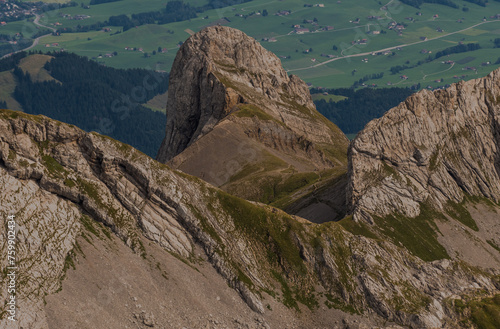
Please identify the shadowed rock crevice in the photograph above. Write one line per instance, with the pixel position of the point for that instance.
(323, 203)
(493, 102)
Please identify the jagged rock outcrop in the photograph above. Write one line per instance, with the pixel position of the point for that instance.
(63, 182)
(232, 106)
(436, 147)
(220, 68)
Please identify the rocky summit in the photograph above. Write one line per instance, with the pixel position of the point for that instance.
(237, 120)
(435, 148)
(107, 237)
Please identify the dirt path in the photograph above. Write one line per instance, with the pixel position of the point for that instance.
(426, 75)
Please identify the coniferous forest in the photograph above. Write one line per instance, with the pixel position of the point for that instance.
(96, 98)
(360, 107)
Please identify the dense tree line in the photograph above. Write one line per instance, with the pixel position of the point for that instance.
(54, 6)
(398, 68)
(481, 3)
(98, 2)
(67, 67)
(6, 48)
(361, 106)
(40, 33)
(12, 61)
(448, 51)
(175, 11)
(83, 28)
(121, 20)
(366, 78)
(97, 98)
(462, 48)
(418, 3)
(5, 37)
(214, 4)
(497, 42)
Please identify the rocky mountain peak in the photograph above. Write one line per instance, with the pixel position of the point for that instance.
(233, 114)
(436, 147)
(220, 67)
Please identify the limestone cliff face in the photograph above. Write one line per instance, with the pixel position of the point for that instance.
(436, 147)
(221, 67)
(65, 185)
(232, 106)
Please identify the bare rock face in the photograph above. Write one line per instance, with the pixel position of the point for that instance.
(65, 186)
(235, 117)
(436, 147)
(76, 195)
(221, 67)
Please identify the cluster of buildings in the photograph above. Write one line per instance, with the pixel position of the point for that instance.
(134, 49)
(385, 52)
(272, 39)
(253, 13)
(396, 26)
(283, 13)
(10, 11)
(162, 50)
(359, 42)
(299, 29)
(321, 5)
(75, 17)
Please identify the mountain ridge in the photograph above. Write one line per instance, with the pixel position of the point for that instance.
(92, 177)
(451, 149)
(379, 267)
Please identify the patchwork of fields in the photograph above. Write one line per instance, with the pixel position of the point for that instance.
(340, 48)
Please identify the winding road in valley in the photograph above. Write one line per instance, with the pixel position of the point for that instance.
(36, 41)
(391, 48)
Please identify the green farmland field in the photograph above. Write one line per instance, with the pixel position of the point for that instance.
(351, 58)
